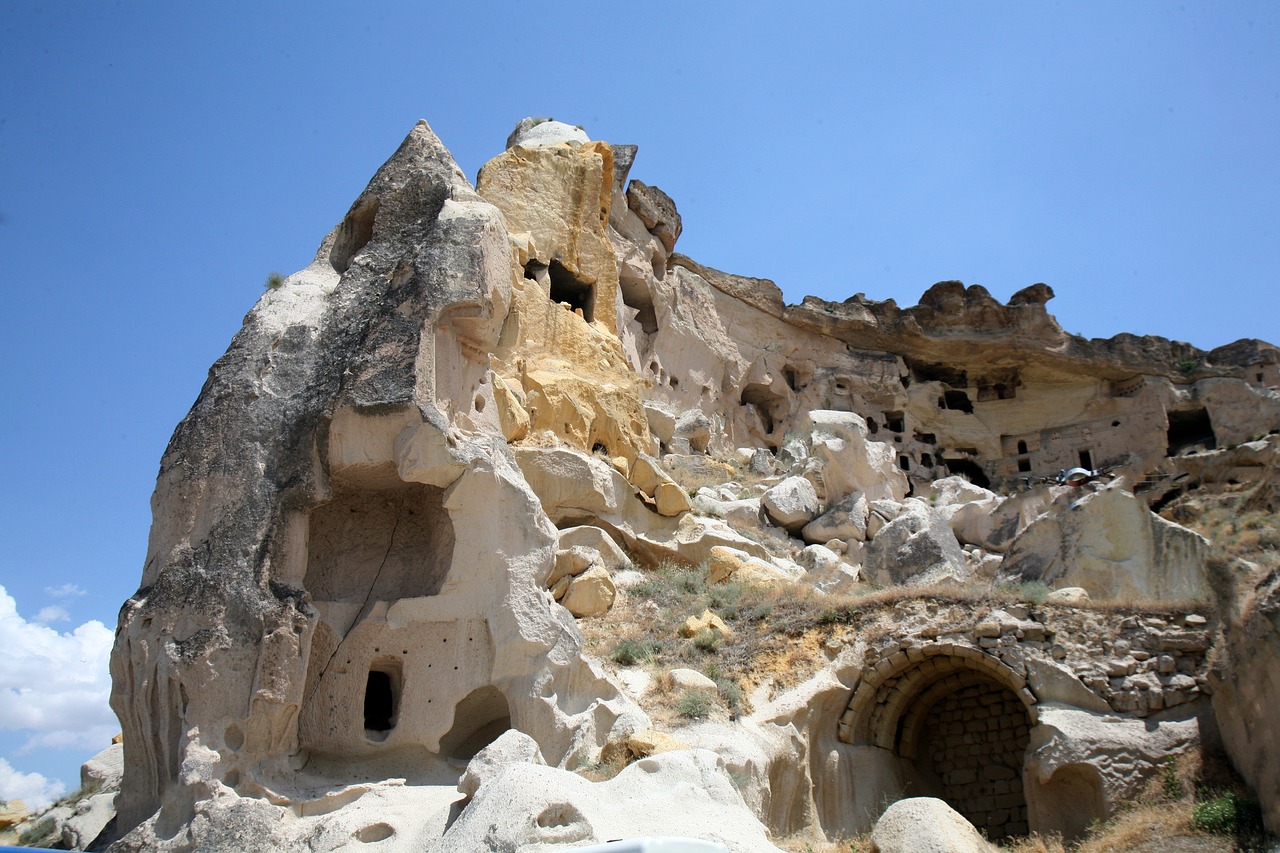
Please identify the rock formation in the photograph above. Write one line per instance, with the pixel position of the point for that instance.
(482, 416)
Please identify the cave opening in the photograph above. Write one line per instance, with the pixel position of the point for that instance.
(958, 400)
(381, 701)
(354, 234)
(970, 749)
(1190, 429)
(970, 470)
(568, 289)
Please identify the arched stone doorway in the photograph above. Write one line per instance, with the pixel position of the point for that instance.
(958, 720)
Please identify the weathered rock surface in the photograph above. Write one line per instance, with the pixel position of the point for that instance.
(1246, 699)
(541, 808)
(474, 404)
(925, 825)
(1112, 546)
(917, 547)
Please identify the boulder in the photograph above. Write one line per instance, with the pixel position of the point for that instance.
(708, 621)
(849, 461)
(684, 793)
(791, 504)
(1073, 596)
(725, 563)
(1110, 544)
(925, 825)
(845, 519)
(511, 747)
(596, 539)
(671, 500)
(690, 679)
(536, 132)
(571, 562)
(1082, 765)
(590, 593)
(826, 570)
(917, 547)
(694, 429)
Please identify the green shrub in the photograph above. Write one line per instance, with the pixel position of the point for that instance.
(1033, 592)
(631, 652)
(275, 281)
(650, 588)
(708, 641)
(1186, 365)
(694, 704)
(730, 692)
(1170, 784)
(1228, 814)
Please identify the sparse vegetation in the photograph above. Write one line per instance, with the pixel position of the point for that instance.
(694, 704)
(1228, 813)
(1186, 365)
(275, 281)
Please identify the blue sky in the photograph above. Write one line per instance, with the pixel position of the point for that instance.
(157, 160)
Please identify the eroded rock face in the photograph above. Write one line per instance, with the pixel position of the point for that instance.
(1112, 546)
(1246, 699)
(479, 416)
(314, 609)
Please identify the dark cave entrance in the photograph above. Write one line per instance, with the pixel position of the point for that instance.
(1190, 429)
(381, 700)
(968, 469)
(567, 289)
(970, 750)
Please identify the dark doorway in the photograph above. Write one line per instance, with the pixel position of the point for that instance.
(1190, 429)
(380, 702)
(968, 469)
(567, 289)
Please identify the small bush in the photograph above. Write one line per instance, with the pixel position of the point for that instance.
(708, 641)
(694, 704)
(1170, 784)
(651, 588)
(275, 281)
(1186, 365)
(730, 693)
(631, 652)
(1228, 814)
(1033, 592)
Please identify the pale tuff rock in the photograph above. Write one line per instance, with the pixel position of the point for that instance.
(1080, 764)
(851, 463)
(1111, 545)
(708, 621)
(1075, 595)
(534, 133)
(690, 679)
(590, 593)
(511, 747)
(474, 405)
(925, 825)
(686, 793)
(274, 606)
(1246, 699)
(791, 504)
(916, 547)
(724, 563)
(845, 519)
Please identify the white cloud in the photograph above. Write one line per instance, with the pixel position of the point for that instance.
(54, 686)
(35, 791)
(66, 590)
(52, 614)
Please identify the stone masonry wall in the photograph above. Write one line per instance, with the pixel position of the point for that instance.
(974, 740)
